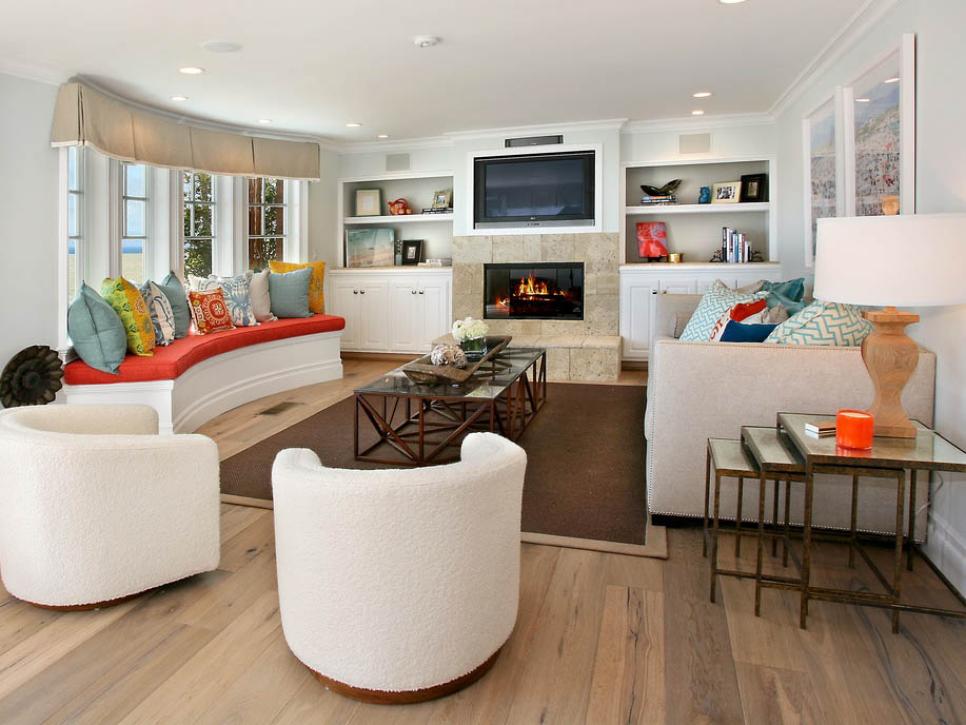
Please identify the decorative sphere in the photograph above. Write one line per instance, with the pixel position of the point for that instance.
(451, 355)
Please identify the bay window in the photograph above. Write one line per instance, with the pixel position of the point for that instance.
(199, 197)
(75, 218)
(267, 222)
(134, 221)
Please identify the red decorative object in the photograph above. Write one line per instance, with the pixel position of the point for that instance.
(854, 429)
(399, 207)
(651, 240)
(209, 311)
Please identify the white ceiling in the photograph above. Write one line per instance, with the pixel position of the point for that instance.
(313, 66)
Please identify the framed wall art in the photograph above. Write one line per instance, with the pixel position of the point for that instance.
(821, 170)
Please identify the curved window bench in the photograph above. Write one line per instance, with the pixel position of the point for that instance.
(194, 379)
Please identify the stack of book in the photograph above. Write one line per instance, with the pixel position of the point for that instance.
(648, 200)
(820, 429)
(735, 247)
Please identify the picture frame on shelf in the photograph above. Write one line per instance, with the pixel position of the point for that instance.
(442, 200)
(368, 202)
(754, 188)
(412, 252)
(369, 247)
(726, 192)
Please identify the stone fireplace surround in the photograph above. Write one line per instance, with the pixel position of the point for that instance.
(588, 349)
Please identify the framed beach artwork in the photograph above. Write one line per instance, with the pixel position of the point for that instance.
(879, 140)
(369, 247)
(821, 171)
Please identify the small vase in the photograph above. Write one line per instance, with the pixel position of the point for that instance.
(475, 348)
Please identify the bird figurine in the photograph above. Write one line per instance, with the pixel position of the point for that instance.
(667, 190)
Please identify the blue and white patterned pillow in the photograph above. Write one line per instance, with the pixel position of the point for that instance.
(162, 314)
(237, 291)
(823, 323)
(716, 301)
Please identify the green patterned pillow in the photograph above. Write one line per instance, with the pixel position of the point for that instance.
(823, 323)
(716, 301)
(129, 305)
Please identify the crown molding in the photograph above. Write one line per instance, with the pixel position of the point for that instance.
(611, 124)
(699, 123)
(32, 72)
(857, 26)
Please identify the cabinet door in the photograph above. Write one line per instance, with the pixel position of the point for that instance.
(636, 316)
(374, 314)
(678, 286)
(345, 303)
(404, 315)
(433, 296)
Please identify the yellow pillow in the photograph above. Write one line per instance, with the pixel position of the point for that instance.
(316, 284)
(129, 305)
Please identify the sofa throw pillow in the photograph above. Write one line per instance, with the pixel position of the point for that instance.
(743, 332)
(715, 302)
(738, 313)
(237, 293)
(209, 311)
(290, 293)
(129, 305)
(175, 292)
(261, 299)
(96, 331)
(789, 294)
(162, 316)
(316, 285)
(823, 323)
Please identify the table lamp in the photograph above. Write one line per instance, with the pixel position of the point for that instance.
(914, 260)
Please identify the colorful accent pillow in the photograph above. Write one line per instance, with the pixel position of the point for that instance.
(175, 292)
(290, 293)
(129, 306)
(209, 311)
(823, 323)
(716, 301)
(744, 332)
(96, 331)
(261, 299)
(162, 316)
(237, 293)
(739, 312)
(789, 295)
(316, 285)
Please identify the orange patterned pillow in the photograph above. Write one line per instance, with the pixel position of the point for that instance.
(209, 311)
(316, 283)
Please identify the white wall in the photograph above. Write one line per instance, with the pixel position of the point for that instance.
(28, 216)
(941, 187)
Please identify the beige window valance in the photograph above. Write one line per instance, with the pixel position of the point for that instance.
(85, 116)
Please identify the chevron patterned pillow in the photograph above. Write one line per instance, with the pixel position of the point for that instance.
(823, 323)
(716, 301)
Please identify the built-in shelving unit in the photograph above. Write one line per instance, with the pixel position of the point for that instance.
(399, 219)
(695, 229)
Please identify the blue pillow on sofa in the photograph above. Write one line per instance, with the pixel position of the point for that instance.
(96, 331)
(740, 332)
(290, 293)
(789, 294)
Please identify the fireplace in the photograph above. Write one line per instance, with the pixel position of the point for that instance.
(534, 291)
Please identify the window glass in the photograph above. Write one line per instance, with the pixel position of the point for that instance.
(134, 214)
(199, 222)
(74, 218)
(266, 221)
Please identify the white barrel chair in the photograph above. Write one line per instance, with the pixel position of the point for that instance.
(399, 586)
(95, 507)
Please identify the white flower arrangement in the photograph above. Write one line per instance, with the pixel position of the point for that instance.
(469, 329)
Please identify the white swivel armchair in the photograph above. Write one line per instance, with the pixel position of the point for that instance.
(96, 507)
(399, 585)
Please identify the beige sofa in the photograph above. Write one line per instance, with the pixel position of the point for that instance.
(698, 390)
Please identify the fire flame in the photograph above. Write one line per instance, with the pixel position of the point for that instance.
(531, 286)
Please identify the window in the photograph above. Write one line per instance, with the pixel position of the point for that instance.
(134, 225)
(75, 222)
(198, 191)
(266, 221)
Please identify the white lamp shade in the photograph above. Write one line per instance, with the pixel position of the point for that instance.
(912, 260)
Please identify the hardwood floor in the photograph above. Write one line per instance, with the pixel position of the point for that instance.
(600, 638)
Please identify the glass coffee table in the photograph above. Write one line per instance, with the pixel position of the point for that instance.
(424, 423)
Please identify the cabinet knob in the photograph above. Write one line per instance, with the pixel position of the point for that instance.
(422, 291)
(355, 291)
(362, 292)
(412, 291)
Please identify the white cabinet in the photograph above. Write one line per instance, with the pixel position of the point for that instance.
(641, 284)
(391, 310)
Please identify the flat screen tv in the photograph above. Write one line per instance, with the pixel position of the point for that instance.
(534, 190)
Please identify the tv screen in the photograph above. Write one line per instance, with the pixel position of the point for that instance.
(535, 190)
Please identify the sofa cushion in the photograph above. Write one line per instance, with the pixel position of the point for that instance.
(316, 283)
(96, 331)
(715, 302)
(745, 332)
(261, 300)
(290, 293)
(237, 294)
(823, 323)
(209, 311)
(174, 291)
(162, 316)
(129, 305)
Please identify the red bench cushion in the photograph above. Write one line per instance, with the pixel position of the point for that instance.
(171, 361)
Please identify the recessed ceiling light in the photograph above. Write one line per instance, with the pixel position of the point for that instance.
(425, 41)
(701, 94)
(894, 79)
(221, 46)
(264, 120)
(383, 135)
(179, 99)
(353, 124)
(863, 100)
(697, 112)
(191, 70)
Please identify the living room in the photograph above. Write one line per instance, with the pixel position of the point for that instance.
(412, 381)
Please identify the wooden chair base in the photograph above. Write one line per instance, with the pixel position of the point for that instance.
(407, 697)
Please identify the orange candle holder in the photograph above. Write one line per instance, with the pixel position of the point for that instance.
(854, 429)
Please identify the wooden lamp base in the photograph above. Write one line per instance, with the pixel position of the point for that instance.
(891, 357)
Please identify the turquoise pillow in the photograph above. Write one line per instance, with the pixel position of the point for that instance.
(823, 323)
(290, 293)
(174, 291)
(716, 301)
(789, 294)
(96, 331)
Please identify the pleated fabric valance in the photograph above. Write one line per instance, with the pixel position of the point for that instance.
(85, 116)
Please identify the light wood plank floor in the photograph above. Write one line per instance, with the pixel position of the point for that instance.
(600, 638)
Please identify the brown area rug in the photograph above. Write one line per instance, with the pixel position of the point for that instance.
(585, 470)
